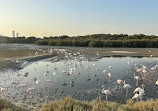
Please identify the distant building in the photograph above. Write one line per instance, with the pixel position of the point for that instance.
(13, 33)
(17, 34)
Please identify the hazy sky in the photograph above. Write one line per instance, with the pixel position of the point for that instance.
(78, 17)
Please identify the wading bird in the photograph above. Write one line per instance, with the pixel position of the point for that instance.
(120, 82)
(109, 74)
(156, 82)
(137, 79)
(106, 92)
(126, 86)
(137, 97)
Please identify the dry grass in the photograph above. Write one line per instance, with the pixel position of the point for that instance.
(69, 104)
(7, 106)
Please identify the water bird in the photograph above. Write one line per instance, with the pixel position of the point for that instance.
(104, 71)
(30, 90)
(156, 82)
(2, 91)
(126, 86)
(140, 91)
(49, 81)
(45, 74)
(26, 74)
(137, 79)
(109, 74)
(24, 85)
(120, 82)
(137, 97)
(106, 92)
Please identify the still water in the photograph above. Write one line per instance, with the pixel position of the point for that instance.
(79, 76)
(88, 79)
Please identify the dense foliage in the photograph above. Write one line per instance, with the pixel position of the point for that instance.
(29, 40)
(102, 40)
(96, 40)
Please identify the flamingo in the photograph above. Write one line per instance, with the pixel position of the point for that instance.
(94, 69)
(137, 78)
(37, 82)
(140, 90)
(156, 82)
(88, 73)
(30, 90)
(109, 67)
(24, 85)
(45, 74)
(145, 71)
(106, 92)
(119, 81)
(2, 91)
(49, 81)
(98, 54)
(54, 75)
(104, 71)
(128, 66)
(36, 53)
(126, 86)
(109, 74)
(64, 73)
(137, 97)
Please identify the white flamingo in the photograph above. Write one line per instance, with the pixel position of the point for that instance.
(156, 82)
(140, 91)
(137, 97)
(49, 81)
(137, 79)
(45, 74)
(119, 81)
(30, 90)
(106, 92)
(2, 91)
(126, 86)
(104, 71)
(109, 74)
(24, 85)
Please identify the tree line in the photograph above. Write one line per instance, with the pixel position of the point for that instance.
(27, 40)
(96, 40)
(103, 40)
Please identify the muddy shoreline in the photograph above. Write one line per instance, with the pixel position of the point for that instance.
(9, 64)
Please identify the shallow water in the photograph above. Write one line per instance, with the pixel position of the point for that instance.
(85, 83)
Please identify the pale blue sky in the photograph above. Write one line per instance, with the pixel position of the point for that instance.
(78, 17)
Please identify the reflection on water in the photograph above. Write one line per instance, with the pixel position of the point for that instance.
(80, 76)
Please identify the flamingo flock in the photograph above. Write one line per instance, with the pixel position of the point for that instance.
(72, 62)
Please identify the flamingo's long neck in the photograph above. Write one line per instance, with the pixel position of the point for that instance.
(126, 92)
(103, 90)
(124, 82)
(106, 97)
